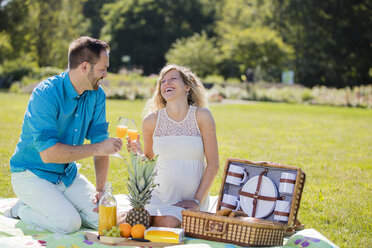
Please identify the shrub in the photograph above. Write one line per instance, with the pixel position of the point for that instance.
(15, 88)
(15, 70)
(233, 81)
(307, 96)
(213, 79)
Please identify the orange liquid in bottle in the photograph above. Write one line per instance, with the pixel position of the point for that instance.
(121, 131)
(107, 218)
(132, 134)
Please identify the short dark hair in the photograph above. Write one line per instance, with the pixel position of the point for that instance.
(85, 49)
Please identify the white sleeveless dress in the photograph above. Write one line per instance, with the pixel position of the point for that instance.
(180, 164)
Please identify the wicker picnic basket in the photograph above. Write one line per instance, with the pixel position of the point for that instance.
(230, 230)
(247, 231)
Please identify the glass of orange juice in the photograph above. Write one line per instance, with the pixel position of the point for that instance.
(121, 127)
(121, 131)
(132, 131)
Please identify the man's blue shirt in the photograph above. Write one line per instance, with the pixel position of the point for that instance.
(57, 114)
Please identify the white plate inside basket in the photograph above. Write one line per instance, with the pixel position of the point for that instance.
(264, 208)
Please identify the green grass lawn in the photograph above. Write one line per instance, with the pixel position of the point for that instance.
(332, 145)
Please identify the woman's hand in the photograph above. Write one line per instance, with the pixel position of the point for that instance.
(121, 218)
(188, 204)
(134, 146)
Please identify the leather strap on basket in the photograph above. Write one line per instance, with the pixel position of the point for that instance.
(256, 195)
(257, 191)
(282, 180)
(226, 205)
(235, 174)
(261, 197)
(281, 213)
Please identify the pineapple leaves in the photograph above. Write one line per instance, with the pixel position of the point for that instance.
(140, 183)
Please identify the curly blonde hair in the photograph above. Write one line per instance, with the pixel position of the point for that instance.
(197, 95)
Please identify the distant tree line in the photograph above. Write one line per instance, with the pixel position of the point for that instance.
(323, 42)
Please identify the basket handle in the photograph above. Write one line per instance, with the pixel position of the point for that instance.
(214, 230)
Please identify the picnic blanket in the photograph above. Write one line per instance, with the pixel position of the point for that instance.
(17, 233)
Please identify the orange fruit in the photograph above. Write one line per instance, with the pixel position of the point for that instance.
(125, 229)
(138, 231)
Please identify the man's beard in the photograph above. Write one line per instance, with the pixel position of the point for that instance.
(93, 80)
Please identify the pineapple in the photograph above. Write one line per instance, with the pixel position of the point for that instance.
(140, 185)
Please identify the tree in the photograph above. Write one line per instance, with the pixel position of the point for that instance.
(197, 52)
(92, 11)
(5, 46)
(258, 48)
(69, 12)
(247, 41)
(145, 29)
(42, 30)
(332, 40)
(49, 36)
(13, 15)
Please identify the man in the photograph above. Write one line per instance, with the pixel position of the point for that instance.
(63, 111)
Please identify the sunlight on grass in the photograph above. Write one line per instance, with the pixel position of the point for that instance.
(332, 145)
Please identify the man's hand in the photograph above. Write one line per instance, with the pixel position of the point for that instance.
(188, 204)
(95, 199)
(110, 146)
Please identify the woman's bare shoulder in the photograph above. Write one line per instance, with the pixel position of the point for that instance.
(204, 115)
(150, 120)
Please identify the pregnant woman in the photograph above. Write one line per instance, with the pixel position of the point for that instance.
(181, 130)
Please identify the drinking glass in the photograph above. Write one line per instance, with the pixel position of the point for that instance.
(121, 127)
(132, 130)
(121, 131)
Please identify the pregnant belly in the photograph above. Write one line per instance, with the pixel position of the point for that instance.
(178, 180)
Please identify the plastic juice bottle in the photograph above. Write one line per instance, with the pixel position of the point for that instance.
(107, 210)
